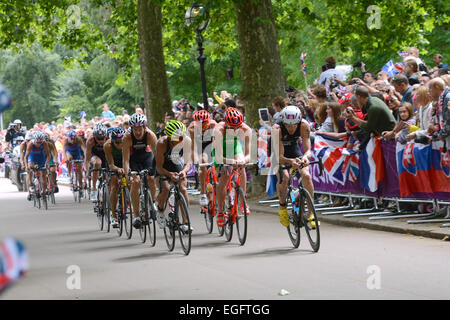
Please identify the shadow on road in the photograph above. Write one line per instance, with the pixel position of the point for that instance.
(113, 247)
(153, 255)
(271, 253)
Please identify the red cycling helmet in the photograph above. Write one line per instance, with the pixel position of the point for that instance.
(80, 133)
(202, 116)
(233, 117)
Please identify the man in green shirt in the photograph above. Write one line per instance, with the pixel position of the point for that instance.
(379, 116)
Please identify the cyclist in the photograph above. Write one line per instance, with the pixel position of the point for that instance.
(202, 121)
(138, 143)
(172, 165)
(37, 153)
(53, 159)
(95, 155)
(292, 131)
(228, 149)
(73, 146)
(113, 153)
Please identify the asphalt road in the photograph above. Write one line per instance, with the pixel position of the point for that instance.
(351, 264)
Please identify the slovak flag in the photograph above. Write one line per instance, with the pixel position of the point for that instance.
(372, 165)
(302, 58)
(403, 53)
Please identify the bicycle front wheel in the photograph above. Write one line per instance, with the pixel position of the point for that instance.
(169, 232)
(310, 220)
(182, 217)
(100, 207)
(127, 213)
(294, 221)
(106, 208)
(151, 220)
(241, 216)
(143, 206)
(228, 227)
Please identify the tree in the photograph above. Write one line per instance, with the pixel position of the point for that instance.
(261, 69)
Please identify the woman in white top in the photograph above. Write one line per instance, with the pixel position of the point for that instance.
(423, 104)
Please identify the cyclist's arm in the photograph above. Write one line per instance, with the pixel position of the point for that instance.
(187, 143)
(82, 146)
(191, 130)
(47, 154)
(126, 153)
(27, 153)
(54, 152)
(109, 157)
(248, 144)
(305, 132)
(88, 154)
(65, 150)
(151, 139)
(23, 146)
(160, 149)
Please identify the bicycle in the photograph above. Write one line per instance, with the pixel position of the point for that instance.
(124, 211)
(235, 206)
(302, 208)
(177, 207)
(38, 191)
(211, 182)
(77, 191)
(51, 185)
(102, 206)
(146, 209)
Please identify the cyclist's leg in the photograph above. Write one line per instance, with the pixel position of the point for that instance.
(164, 188)
(69, 159)
(221, 190)
(282, 194)
(135, 187)
(96, 163)
(113, 195)
(307, 182)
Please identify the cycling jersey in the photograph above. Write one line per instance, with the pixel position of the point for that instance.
(117, 156)
(74, 150)
(173, 161)
(140, 156)
(229, 143)
(291, 143)
(97, 150)
(37, 155)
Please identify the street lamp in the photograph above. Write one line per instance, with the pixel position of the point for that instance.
(198, 16)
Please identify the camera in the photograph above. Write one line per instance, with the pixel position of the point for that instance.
(423, 140)
(357, 64)
(333, 84)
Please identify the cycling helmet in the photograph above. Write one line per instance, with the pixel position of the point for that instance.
(138, 120)
(72, 134)
(17, 121)
(80, 133)
(117, 133)
(202, 116)
(46, 136)
(20, 138)
(29, 136)
(39, 137)
(233, 117)
(100, 131)
(291, 115)
(174, 129)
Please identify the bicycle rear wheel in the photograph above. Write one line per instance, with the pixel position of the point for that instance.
(241, 216)
(310, 220)
(182, 218)
(209, 214)
(294, 221)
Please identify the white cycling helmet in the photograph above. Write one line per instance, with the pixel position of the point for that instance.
(138, 120)
(291, 115)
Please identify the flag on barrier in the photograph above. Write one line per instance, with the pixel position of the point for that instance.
(372, 165)
(13, 261)
(423, 168)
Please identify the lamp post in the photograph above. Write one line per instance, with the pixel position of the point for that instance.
(198, 15)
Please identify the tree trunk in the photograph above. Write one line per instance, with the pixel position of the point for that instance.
(151, 58)
(261, 69)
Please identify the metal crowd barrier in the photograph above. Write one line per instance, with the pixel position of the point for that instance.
(377, 213)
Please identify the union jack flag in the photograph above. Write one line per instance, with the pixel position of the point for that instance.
(403, 53)
(302, 59)
(399, 67)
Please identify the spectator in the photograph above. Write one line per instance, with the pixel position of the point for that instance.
(424, 105)
(332, 113)
(278, 103)
(320, 92)
(412, 72)
(406, 124)
(413, 52)
(107, 114)
(437, 59)
(401, 85)
(326, 77)
(379, 117)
